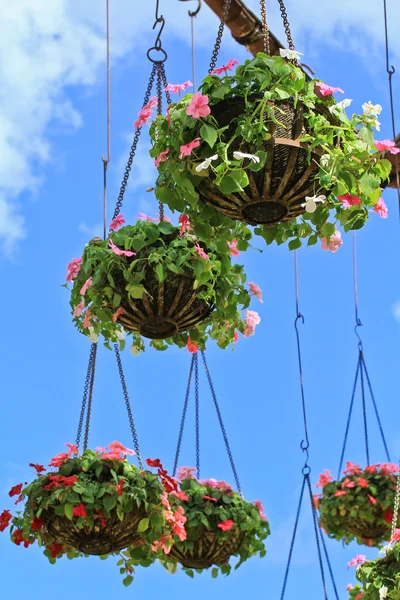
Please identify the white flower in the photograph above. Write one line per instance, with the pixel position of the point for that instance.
(383, 592)
(325, 160)
(385, 549)
(135, 351)
(241, 155)
(371, 110)
(290, 54)
(93, 337)
(311, 203)
(205, 164)
(120, 333)
(341, 105)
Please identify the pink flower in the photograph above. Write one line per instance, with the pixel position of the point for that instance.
(118, 313)
(192, 346)
(248, 331)
(347, 483)
(349, 587)
(225, 68)
(223, 486)
(233, 248)
(73, 268)
(352, 469)
(260, 507)
(349, 200)
(359, 596)
(236, 337)
(186, 473)
(372, 499)
(165, 501)
(58, 460)
(324, 479)
(201, 252)
(186, 149)
(181, 495)
(117, 222)
(162, 157)
(85, 286)
(357, 560)
(144, 117)
(396, 536)
(185, 224)
(152, 103)
(144, 217)
(388, 146)
(79, 308)
(177, 88)
(226, 525)
(327, 90)
(209, 498)
(87, 319)
(340, 493)
(335, 241)
(198, 106)
(362, 482)
(252, 318)
(162, 544)
(255, 290)
(120, 252)
(381, 208)
(212, 483)
(316, 500)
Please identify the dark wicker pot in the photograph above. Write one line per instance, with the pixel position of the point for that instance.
(275, 194)
(115, 536)
(367, 531)
(167, 308)
(208, 550)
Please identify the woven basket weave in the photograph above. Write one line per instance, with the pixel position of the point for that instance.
(276, 192)
(367, 531)
(209, 549)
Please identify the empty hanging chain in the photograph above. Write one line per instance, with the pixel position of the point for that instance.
(89, 404)
(396, 507)
(92, 360)
(197, 413)
(217, 45)
(286, 25)
(265, 28)
(159, 112)
(183, 419)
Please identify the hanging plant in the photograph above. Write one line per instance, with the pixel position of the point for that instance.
(218, 524)
(157, 281)
(379, 579)
(268, 147)
(358, 506)
(96, 503)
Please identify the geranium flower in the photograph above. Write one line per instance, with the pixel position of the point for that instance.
(312, 201)
(260, 507)
(210, 498)
(255, 290)
(198, 106)
(324, 479)
(352, 469)
(357, 560)
(39, 468)
(387, 145)
(117, 222)
(186, 473)
(55, 549)
(371, 110)
(340, 105)
(242, 155)
(327, 90)
(87, 319)
(36, 524)
(335, 241)
(86, 286)
(79, 511)
(120, 311)
(177, 88)
(58, 460)
(15, 490)
(225, 68)
(181, 495)
(349, 200)
(362, 482)
(223, 486)
(186, 149)
(192, 346)
(251, 319)
(340, 493)
(226, 525)
(144, 217)
(162, 543)
(201, 252)
(212, 483)
(381, 208)
(144, 117)
(185, 224)
(233, 251)
(290, 54)
(120, 252)
(73, 268)
(206, 163)
(162, 157)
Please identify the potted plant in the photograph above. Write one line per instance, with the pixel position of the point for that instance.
(358, 506)
(378, 579)
(218, 524)
(265, 145)
(96, 503)
(157, 281)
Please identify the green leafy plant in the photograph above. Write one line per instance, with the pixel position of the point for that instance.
(115, 277)
(379, 579)
(190, 145)
(358, 506)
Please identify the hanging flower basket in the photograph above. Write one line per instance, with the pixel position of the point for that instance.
(218, 524)
(96, 503)
(378, 579)
(155, 280)
(264, 146)
(358, 507)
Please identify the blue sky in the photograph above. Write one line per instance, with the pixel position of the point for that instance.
(53, 138)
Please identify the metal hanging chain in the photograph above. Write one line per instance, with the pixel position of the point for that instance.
(364, 407)
(391, 71)
(183, 419)
(328, 562)
(286, 25)
(349, 419)
(92, 356)
(159, 112)
(217, 45)
(193, 14)
(376, 410)
(197, 411)
(89, 404)
(128, 407)
(396, 506)
(221, 423)
(355, 287)
(265, 28)
(107, 160)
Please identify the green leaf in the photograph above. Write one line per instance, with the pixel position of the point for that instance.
(143, 525)
(241, 177)
(135, 291)
(294, 244)
(160, 272)
(68, 508)
(116, 300)
(127, 580)
(220, 91)
(366, 135)
(152, 232)
(190, 573)
(98, 470)
(59, 510)
(327, 230)
(109, 502)
(214, 573)
(282, 93)
(312, 240)
(209, 134)
(166, 227)
(229, 185)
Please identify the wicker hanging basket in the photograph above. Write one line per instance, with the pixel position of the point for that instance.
(275, 193)
(166, 308)
(208, 549)
(367, 531)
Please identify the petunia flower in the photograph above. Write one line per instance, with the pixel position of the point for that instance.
(371, 110)
(381, 208)
(120, 252)
(198, 106)
(5, 519)
(226, 525)
(233, 248)
(327, 90)
(177, 88)
(225, 68)
(206, 163)
(387, 145)
(255, 290)
(311, 202)
(357, 560)
(334, 243)
(201, 252)
(241, 155)
(340, 105)
(162, 157)
(290, 54)
(186, 149)
(117, 222)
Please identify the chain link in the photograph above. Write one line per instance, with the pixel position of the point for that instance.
(159, 112)
(128, 407)
(197, 405)
(183, 419)
(217, 45)
(89, 406)
(396, 506)
(286, 24)
(85, 393)
(165, 84)
(265, 29)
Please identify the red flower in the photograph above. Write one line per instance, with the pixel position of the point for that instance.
(362, 482)
(324, 479)
(120, 487)
(211, 499)
(154, 463)
(226, 525)
(388, 516)
(340, 493)
(192, 346)
(55, 549)
(18, 538)
(101, 516)
(15, 491)
(36, 524)
(316, 500)
(79, 511)
(5, 519)
(39, 468)
(67, 481)
(181, 496)
(372, 499)
(20, 498)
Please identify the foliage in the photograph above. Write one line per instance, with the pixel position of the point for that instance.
(379, 579)
(350, 163)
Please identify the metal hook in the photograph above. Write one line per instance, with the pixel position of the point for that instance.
(359, 324)
(193, 13)
(159, 19)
